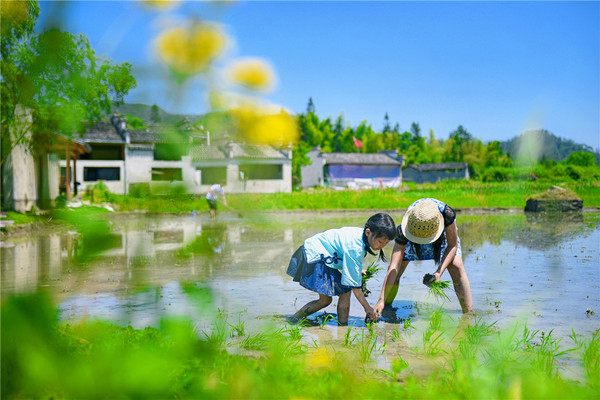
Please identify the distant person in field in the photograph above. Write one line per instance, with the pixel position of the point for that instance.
(428, 232)
(331, 263)
(213, 194)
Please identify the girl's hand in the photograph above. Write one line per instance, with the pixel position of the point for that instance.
(371, 315)
(429, 278)
(378, 309)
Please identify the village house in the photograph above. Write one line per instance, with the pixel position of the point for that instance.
(169, 155)
(353, 170)
(31, 178)
(421, 173)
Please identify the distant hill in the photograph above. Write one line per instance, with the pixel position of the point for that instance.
(543, 145)
(144, 112)
(534, 144)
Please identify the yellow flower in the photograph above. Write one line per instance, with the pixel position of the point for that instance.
(258, 127)
(160, 3)
(318, 358)
(13, 11)
(191, 50)
(253, 73)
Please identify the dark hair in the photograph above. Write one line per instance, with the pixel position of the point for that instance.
(437, 248)
(380, 224)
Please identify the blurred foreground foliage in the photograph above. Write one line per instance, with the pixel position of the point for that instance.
(43, 357)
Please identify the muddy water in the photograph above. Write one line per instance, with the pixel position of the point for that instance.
(544, 270)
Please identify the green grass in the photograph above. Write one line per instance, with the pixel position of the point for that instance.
(459, 194)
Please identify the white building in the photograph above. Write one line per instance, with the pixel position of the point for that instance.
(166, 155)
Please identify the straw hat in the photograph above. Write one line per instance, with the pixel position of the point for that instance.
(423, 223)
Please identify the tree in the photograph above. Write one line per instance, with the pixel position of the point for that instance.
(415, 129)
(386, 124)
(154, 115)
(581, 158)
(58, 76)
(310, 108)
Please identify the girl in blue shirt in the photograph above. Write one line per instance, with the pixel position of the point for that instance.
(330, 264)
(428, 232)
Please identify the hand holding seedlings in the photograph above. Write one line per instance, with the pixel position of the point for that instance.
(436, 288)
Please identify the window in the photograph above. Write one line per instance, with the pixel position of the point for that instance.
(212, 175)
(104, 152)
(166, 174)
(262, 171)
(101, 173)
(169, 151)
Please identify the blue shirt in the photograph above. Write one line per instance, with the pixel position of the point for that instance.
(342, 249)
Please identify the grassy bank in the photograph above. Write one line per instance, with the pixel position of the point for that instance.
(459, 194)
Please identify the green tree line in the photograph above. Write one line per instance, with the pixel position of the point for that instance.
(487, 161)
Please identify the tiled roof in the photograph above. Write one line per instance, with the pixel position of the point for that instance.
(102, 132)
(240, 150)
(360, 158)
(202, 152)
(141, 146)
(438, 166)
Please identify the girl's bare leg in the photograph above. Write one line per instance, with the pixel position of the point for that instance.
(391, 295)
(313, 306)
(343, 308)
(461, 284)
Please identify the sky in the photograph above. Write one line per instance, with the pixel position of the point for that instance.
(496, 68)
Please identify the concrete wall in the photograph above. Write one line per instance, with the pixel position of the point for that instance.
(139, 166)
(19, 173)
(312, 175)
(236, 185)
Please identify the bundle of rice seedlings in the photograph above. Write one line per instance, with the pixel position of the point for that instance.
(436, 288)
(368, 274)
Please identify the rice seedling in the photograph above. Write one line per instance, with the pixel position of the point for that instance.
(396, 333)
(254, 342)
(324, 318)
(437, 288)
(239, 329)
(366, 346)
(408, 324)
(348, 339)
(368, 274)
(295, 330)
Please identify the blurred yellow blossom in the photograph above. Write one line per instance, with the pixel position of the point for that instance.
(191, 50)
(13, 11)
(160, 3)
(318, 358)
(253, 73)
(259, 127)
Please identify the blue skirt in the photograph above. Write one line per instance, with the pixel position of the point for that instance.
(316, 276)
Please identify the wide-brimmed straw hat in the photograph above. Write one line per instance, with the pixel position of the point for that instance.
(423, 223)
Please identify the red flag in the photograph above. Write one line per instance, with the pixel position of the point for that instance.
(357, 142)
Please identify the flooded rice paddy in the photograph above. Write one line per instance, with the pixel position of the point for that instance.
(542, 270)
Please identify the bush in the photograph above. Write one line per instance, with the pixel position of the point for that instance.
(99, 193)
(139, 190)
(497, 174)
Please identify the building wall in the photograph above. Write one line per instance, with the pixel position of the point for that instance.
(236, 185)
(139, 166)
(117, 186)
(414, 175)
(312, 175)
(19, 179)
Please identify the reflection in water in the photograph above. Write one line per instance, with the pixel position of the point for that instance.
(541, 267)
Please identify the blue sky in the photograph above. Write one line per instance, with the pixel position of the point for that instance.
(497, 68)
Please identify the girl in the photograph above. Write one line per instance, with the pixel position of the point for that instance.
(428, 232)
(330, 264)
